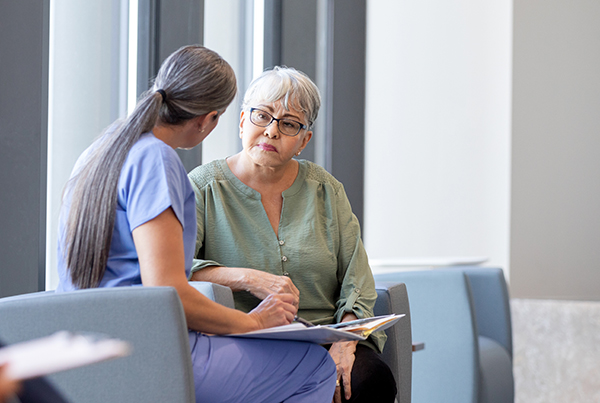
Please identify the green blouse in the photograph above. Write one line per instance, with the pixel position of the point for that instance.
(318, 247)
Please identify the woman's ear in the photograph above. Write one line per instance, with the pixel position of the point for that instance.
(306, 138)
(208, 120)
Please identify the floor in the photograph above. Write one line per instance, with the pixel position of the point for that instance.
(556, 351)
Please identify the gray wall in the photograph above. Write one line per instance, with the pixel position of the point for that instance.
(23, 118)
(555, 224)
(164, 27)
(326, 40)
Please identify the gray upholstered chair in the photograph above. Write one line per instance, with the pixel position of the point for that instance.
(492, 312)
(397, 353)
(441, 317)
(462, 316)
(150, 318)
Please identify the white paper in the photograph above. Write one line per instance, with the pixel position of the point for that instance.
(320, 334)
(299, 332)
(58, 352)
(368, 325)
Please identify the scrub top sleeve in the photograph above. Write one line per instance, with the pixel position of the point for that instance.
(152, 181)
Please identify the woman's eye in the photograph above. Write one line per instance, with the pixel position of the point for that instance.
(290, 124)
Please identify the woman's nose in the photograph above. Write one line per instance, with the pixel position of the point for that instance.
(272, 131)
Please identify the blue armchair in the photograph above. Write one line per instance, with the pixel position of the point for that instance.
(492, 312)
(462, 316)
(150, 318)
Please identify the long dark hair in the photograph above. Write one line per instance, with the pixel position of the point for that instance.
(195, 81)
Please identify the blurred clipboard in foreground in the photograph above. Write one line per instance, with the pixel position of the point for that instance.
(58, 352)
(358, 329)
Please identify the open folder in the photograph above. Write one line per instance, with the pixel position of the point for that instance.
(58, 352)
(358, 329)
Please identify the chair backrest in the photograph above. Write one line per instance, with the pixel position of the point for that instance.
(442, 317)
(150, 318)
(491, 302)
(397, 353)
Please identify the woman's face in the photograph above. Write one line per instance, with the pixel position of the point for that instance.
(267, 146)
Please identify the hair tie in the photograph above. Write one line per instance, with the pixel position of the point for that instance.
(163, 94)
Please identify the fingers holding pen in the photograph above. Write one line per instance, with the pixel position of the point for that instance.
(275, 310)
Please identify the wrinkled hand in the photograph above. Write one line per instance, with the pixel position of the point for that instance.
(262, 284)
(342, 353)
(274, 310)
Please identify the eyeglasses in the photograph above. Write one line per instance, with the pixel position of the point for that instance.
(286, 126)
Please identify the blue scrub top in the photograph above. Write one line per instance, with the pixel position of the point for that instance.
(152, 180)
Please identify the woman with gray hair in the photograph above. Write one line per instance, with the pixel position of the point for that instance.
(270, 224)
(128, 218)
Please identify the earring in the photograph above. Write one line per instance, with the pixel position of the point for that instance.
(201, 131)
(298, 153)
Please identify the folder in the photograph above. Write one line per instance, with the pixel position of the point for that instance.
(324, 334)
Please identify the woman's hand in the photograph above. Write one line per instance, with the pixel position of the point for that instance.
(274, 310)
(342, 353)
(8, 387)
(258, 283)
(262, 284)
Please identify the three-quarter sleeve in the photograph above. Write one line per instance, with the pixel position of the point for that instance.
(199, 262)
(357, 293)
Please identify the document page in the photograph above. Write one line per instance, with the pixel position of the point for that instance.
(323, 334)
(299, 332)
(366, 326)
(58, 352)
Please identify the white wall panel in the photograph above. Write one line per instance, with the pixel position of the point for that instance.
(437, 142)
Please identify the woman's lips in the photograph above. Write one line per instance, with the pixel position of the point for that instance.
(266, 147)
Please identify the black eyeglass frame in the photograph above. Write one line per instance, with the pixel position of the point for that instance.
(273, 118)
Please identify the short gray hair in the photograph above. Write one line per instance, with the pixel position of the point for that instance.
(294, 88)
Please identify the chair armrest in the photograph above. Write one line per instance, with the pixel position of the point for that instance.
(218, 293)
(397, 354)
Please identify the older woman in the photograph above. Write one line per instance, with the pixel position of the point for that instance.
(270, 224)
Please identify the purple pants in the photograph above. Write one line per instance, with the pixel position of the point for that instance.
(228, 369)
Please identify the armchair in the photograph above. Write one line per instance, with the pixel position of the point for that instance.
(492, 312)
(462, 315)
(150, 318)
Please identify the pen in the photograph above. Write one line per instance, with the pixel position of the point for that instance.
(303, 321)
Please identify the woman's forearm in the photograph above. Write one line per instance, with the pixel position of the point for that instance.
(235, 278)
(259, 283)
(204, 315)
(159, 244)
(207, 316)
